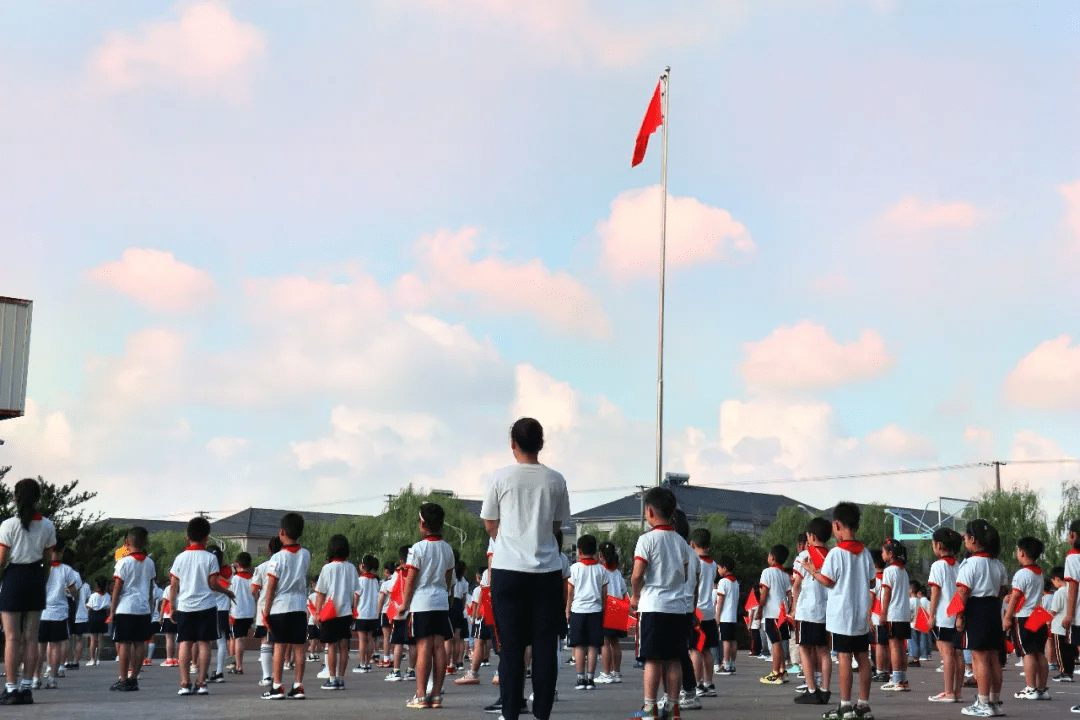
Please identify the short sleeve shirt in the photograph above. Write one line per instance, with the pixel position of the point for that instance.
(779, 585)
(616, 583)
(706, 588)
(729, 588)
(1029, 581)
(896, 579)
(664, 554)
(693, 569)
(27, 546)
(1057, 607)
(338, 581)
(81, 612)
(943, 575)
(813, 596)
(244, 606)
(367, 605)
(290, 567)
(983, 575)
(1072, 575)
(850, 567)
(192, 568)
(527, 500)
(589, 579)
(61, 577)
(431, 557)
(138, 575)
(258, 580)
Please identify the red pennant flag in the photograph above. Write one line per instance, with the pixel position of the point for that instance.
(1038, 618)
(166, 608)
(617, 613)
(751, 601)
(1009, 647)
(876, 609)
(654, 118)
(922, 621)
(782, 616)
(956, 605)
(328, 611)
(311, 608)
(487, 612)
(817, 555)
(397, 593)
(225, 584)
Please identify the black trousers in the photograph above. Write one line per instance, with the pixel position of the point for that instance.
(1067, 653)
(528, 611)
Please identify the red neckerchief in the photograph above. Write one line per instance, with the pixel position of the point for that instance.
(337, 560)
(705, 558)
(610, 567)
(291, 548)
(138, 556)
(1073, 551)
(368, 575)
(663, 527)
(1034, 568)
(196, 546)
(731, 577)
(980, 554)
(880, 576)
(588, 561)
(852, 546)
(897, 564)
(432, 538)
(37, 516)
(949, 559)
(226, 572)
(774, 565)
(54, 564)
(243, 575)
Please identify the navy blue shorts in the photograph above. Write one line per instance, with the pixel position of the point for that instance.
(812, 634)
(240, 627)
(53, 631)
(899, 630)
(336, 629)
(369, 626)
(196, 626)
(853, 644)
(776, 634)
(586, 630)
(313, 633)
(983, 630)
(727, 631)
(661, 636)
(97, 625)
(289, 628)
(23, 588)
(710, 630)
(168, 626)
(430, 623)
(131, 628)
(399, 633)
(1027, 641)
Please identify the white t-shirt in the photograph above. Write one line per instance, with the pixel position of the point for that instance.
(367, 604)
(138, 577)
(339, 582)
(155, 607)
(81, 614)
(943, 575)
(664, 553)
(61, 577)
(1060, 599)
(98, 601)
(193, 568)
(983, 575)
(258, 580)
(616, 583)
(693, 570)
(850, 567)
(385, 588)
(290, 567)
(589, 579)
(432, 557)
(779, 585)
(460, 589)
(27, 546)
(564, 561)
(896, 579)
(1072, 575)
(527, 500)
(729, 588)
(225, 575)
(706, 589)
(813, 596)
(1029, 581)
(244, 607)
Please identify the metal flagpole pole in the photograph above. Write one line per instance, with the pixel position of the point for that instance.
(666, 80)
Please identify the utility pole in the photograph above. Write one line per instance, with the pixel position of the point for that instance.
(997, 474)
(641, 495)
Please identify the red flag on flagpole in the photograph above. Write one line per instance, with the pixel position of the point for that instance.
(922, 621)
(654, 118)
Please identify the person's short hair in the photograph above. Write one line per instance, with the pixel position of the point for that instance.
(897, 548)
(403, 553)
(459, 569)
(1074, 527)
(801, 539)
(820, 528)
(1058, 572)
(198, 529)
(727, 562)
(293, 525)
(986, 535)
(586, 544)
(915, 587)
(138, 537)
(68, 556)
(528, 435)
(390, 566)
(780, 553)
(433, 516)
(1032, 546)
(370, 563)
(847, 514)
(243, 559)
(875, 555)
(338, 547)
(480, 571)
(275, 545)
(662, 501)
(701, 537)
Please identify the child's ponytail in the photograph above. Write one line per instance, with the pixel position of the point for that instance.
(27, 495)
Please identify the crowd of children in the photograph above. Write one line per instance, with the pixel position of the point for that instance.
(847, 604)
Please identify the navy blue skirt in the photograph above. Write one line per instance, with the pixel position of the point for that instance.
(23, 588)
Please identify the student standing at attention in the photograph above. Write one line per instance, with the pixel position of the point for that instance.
(585, 598)
(775, 588)
(895, 602)
(286, 605)
(130, 612)
(811, 601)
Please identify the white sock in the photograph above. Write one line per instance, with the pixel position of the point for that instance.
(150, 651)
(266, 660)
(222, 653)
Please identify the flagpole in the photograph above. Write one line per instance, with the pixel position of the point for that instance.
(665, 79)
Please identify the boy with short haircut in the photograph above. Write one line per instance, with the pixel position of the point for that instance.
(266, 647)
(811, 599)
(366, 625)
(700, 540)
(1027, 587)
(727, 612)
(53, 627)
(775, 589)
(286, 604)
(131, 608)
(193, 589)
(848, 572)
(337, 585)
(242, 611)
(660, 569)
(585, 597)
(402, 644)
(430, 565)
(1066, 651)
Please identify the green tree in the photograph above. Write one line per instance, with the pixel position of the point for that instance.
(790, 521)
(1058, 545)
(1014, 514)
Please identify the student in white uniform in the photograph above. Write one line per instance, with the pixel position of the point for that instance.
(133, 593)
(367, 612)
(942, 583)
(811, 601)
(337, 585)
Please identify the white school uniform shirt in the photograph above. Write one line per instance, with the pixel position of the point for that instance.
(193, 568)
(664, 554)
(223, 602)
(244, 606)
(563, 560)
(779, 585)
(385, 588)
(138, 576)
(616, 583)
(61, 577)
(693, 570)
(729, 588)
(155, 606)
(527, 500)
(850, 567)
(27, 546)
(1072, 575)
(1059, 600)
(258, 579)
(98, 601)
(589, 579)
(460, 589)
(706, 587)
(1029, 581)
(896, 578)
(813, 596)
(367, 602)
(290, 567)
(943, 575)
(339, 581)
(431, 557)
(983, 575)
(81, 613)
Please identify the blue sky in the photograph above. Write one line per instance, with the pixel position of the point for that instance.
(295, 255)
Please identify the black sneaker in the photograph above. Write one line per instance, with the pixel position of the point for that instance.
(9, 697)
(825, 695)
(494, 708)
(297, 693)
(26, 696)
(216, 678)
(809, 698)
(276, 692)
(119, 686)
(133, 685)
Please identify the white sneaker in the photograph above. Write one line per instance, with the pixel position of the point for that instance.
(324, 674)
(689, 701)
(1044, 695)
(616, 677)
(266, 682)
(1028, 693)
(977, 709)
(1019, 664)
(602, 679)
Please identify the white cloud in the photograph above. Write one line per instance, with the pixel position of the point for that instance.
(805, 356)
(204, 49)
(541, 396)
(362, 437)
(912, 213)
(156, 279)
(1047, 378)
(696, 233)
(892, 441)
(38, 436)
(227, 447)
(448, 274)
(980, 441)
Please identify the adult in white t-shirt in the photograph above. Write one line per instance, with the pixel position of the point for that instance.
(526, 504)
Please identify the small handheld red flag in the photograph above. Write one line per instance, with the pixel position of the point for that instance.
(1038, 618)
(328, 611)
(487, 611)
(654, 118)
(751, 601)
(616, 613)
(922, 621)
(876, 609)
(956, 605)
(782, 616)
(311, 608)
(391, 610)
(1009, 646)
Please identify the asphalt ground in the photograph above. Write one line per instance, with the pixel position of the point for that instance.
(85, 693)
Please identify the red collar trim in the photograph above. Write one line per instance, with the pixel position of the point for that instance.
(368, 575)
(880, 576)
(37, 516)
(950, 559)
(663, 527)
(852, 546)
(337, 560)
(1073, 551)
(432, 538)
(611, 567)
(897, 564)
(588, 561)
(54, 564)
(291, 548)
(196, 546)
(243, 575)
(1034, 568)
(730, 577)
(138, 556)
(774, 565)
(705, 558)
(980, 554)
